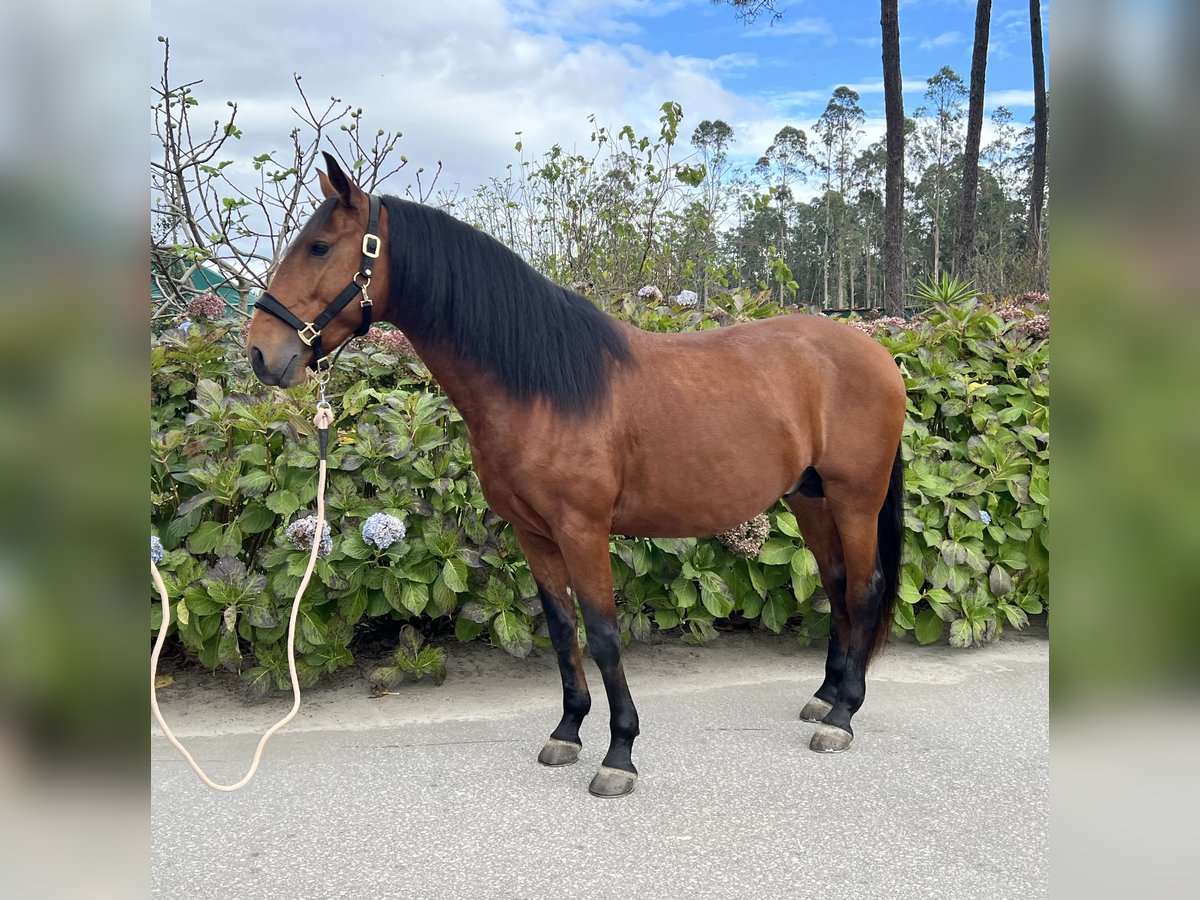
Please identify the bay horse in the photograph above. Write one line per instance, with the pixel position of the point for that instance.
(581, 426)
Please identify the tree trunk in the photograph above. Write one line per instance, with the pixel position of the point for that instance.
(1037, 185)
(870, 297)
(825, 250)
(893, 215)
(970, 178)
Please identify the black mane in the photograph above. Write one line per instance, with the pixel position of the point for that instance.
(454, 285)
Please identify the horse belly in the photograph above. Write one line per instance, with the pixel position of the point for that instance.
(707, 487)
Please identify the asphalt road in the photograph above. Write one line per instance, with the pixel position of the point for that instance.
(437, 793)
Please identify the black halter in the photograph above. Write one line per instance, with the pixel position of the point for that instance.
(310, 332)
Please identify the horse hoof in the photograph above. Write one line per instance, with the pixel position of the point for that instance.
(610, 782)
(815, 710)
(829, 739)
(559, 753)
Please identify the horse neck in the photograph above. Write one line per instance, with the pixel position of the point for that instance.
(470, 390)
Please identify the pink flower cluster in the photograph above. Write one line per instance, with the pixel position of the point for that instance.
(747, 539)
(390, 341)
(206, 306)
(885, 323)
(1036, 326)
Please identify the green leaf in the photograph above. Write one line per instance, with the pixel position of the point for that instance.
(683, 592)
(960, 633)
(719, 603)
(776, 610)
(467, 630)
(442, 599)
(454, 574)
(666, 618)
(786, 522)
(253, 454)
(752, 604)
(230, 543)
(776, 551)
(928, 627)
(414, 596)
(512, 633)
(805, 576)
(206, 537)
(475, 612)
(255, 518)
(208, 393)
(255, 482)
(497, 594)
(283, 503)
(999, 581)
(352, 606)
(392, 588)
(228, 652)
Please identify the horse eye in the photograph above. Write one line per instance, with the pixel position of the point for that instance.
(319, 249)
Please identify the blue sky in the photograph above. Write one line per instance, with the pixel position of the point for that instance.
(460, 77)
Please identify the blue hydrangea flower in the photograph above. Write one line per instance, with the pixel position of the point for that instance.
(687, 298)
(156, 550)
(301, 533)
(382, 530)
(987, 519)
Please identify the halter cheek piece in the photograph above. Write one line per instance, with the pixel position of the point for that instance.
(310, 332)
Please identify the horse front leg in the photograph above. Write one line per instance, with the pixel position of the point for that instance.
(585, 550)
(550, 573)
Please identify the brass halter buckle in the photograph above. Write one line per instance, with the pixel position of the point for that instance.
(313, 334)
(362, 279)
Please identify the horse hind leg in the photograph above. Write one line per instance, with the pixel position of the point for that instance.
(858, 633)
(821, 537)
(550, 573)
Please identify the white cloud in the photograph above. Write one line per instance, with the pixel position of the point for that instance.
(458, 79)
(604, 17)
(907, 86)
(791, 27)
(1009, 98)
(945, 39)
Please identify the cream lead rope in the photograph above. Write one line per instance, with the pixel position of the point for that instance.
(323, 419)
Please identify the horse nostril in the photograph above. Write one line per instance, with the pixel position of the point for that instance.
(257, 361)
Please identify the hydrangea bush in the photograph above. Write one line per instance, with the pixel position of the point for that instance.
(412, 544)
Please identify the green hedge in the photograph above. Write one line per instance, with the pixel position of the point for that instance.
(233, 463)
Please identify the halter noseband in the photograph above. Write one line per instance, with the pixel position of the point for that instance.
(310, 332)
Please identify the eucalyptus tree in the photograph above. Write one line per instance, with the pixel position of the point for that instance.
(783, 166)
(1041, 117)
(893, 102)
(939, 141)
(712, 140)
(970, 176)
(840, 128)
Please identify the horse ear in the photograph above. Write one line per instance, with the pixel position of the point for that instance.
(336, 184)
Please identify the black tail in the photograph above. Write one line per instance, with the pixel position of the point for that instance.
(891, 543)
